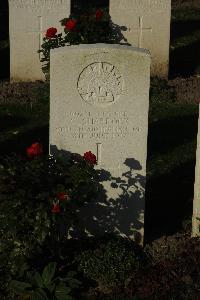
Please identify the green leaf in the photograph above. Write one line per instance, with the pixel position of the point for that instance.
(50, 287)
(62, 292)
(49, 272)
(39, 294)
(20, 287)
(37, 280)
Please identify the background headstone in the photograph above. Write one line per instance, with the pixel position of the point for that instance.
(99, 98)
(196, 202)
(28, 22)
(148, 26)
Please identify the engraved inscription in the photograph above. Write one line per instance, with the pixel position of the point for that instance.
(100, 126)
(144, 4)
(36, 4)
(100, 84)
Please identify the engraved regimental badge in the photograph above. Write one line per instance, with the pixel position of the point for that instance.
(100, 84)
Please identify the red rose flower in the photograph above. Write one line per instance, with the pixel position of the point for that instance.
(51, 32)
(62, 196)
(99, 14)
(90, 157)
(70, 25)
(34, 150)
(55, 209)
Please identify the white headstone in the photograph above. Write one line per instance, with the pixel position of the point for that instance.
(99, 102)
(196, 202)
(148, 26)
(28, 22)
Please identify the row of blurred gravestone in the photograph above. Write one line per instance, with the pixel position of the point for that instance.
(146, 24)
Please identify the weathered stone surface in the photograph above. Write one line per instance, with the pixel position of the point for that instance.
(196, 202)
(148, 26)
(99, 98)
(28, 22)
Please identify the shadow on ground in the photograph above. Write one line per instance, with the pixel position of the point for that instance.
(185, 60)
(9, 122)
(175, 132)
(169, 197)
(169, 201)
(4, 38)
(20, 142)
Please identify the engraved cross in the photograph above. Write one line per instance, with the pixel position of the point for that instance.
(40, 32)
(140, 30)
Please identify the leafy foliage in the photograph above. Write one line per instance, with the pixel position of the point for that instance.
(28, 190)
(112, 262)
(46, 285)
(88, 28)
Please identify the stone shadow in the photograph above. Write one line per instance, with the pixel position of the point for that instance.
(82, 5)
(183, 28)
(4, 40)
(121, 214)
(9, 122)
(184, 60)
(169, 200)
(176, 131)
(20, 141)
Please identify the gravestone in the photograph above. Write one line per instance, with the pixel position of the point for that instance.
(147, 24)
(99, 98)
(28, 22)
(196, 202)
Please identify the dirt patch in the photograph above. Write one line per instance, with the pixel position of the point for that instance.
(187, 89)
(20, 92)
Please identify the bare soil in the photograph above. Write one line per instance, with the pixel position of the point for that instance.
(187, 89)
(20, 92)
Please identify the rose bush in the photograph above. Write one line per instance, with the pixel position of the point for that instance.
(70, 24)
(40, 197)
(51, 33)
(90, 157)
(34, 150)
(99, 14)
(91, 27)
